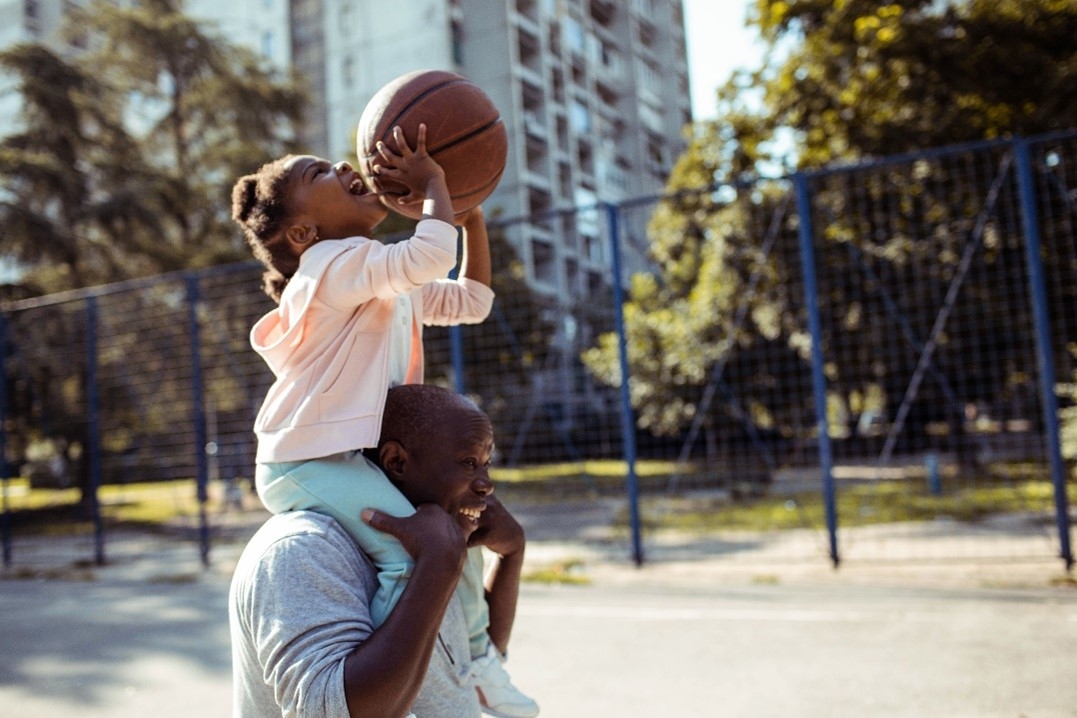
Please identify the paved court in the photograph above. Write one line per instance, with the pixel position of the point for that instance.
(685, 638)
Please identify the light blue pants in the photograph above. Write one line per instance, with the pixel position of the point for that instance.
(341, 486)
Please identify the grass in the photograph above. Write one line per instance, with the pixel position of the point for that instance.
(857, 505)
(570, 478)
(156, 506)
(151, 506)
(572, 572)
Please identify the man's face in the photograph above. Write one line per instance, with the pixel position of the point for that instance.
(452, 468)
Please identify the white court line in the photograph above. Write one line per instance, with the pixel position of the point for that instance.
(658, 613)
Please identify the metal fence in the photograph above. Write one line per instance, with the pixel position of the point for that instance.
(847, 347)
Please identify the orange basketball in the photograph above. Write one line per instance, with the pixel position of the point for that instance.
(464, 134)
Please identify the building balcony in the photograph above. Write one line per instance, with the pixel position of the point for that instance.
(603, 12)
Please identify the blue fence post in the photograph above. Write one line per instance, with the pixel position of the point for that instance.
(628, 421)
(456, 347)
(1038, 290)
(934, 479)
(818, 377)
(5, 511)
(93, 429)
(198, 407)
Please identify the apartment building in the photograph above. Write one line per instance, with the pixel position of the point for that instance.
(594, 95)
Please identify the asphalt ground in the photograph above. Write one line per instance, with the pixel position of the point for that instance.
(688, 633)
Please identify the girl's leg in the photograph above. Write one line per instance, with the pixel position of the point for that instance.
(472, 593)
(342, 486)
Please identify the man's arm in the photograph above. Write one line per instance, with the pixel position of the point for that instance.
(382, 675)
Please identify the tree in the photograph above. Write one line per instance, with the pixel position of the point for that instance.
(204, 112)
(868, 79)
(844, 80)
(126, 171)
(57, 223)
(118, 173)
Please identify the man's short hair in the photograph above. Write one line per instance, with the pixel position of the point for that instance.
(415, 412)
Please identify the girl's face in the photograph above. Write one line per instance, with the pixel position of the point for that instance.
(331, 198)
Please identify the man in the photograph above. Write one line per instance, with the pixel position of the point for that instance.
(302, 638)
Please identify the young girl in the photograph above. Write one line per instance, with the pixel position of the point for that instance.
(348, 327)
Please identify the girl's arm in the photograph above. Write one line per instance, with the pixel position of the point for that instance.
(447, 303)
(475, 262)
(500, 532)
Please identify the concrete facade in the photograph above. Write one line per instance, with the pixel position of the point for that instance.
(594, 95)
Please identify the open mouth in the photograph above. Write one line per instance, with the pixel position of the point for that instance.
(471, 514)
(357, 187)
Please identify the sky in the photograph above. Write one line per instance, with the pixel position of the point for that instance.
(718, 43)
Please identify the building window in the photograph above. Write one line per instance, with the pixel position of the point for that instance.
(348, 71)
(30, 15)
(574, 36)
(78, 39)
(345, 18)
(457, 43)
(580, 118)
(543, 256)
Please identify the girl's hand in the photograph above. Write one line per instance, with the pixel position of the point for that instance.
(415, 169)
(498, 530)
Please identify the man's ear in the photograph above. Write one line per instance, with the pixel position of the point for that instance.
(393, 458)
(301, 235)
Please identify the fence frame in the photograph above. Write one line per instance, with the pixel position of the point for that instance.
(807, 234)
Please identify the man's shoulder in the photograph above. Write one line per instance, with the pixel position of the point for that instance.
(303, 531)
(295, 523)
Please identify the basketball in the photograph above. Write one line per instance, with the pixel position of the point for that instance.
(464, 134)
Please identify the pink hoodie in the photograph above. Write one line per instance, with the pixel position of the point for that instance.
(328, 341)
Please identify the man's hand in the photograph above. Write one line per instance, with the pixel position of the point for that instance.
(498, 530)
(428, 534)
(383, 674)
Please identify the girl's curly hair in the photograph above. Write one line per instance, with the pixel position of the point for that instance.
(259, 205)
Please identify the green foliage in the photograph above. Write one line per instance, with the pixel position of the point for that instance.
(869, 79)
(126, 152)
(843, 80)
(692, 315)
(122, 167)
(52, 210)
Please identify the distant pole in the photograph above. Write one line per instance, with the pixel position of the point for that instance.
(5, 515)
(456, 347)
(93, 429)
(628, 421)
(811, 301)
(1038, 289)
(198, 410)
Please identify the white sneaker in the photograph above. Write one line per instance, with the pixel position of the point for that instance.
(496, 693)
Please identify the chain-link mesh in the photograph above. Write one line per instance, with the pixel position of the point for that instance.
(929, 384)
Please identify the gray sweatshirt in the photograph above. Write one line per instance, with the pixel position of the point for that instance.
(299, 603)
